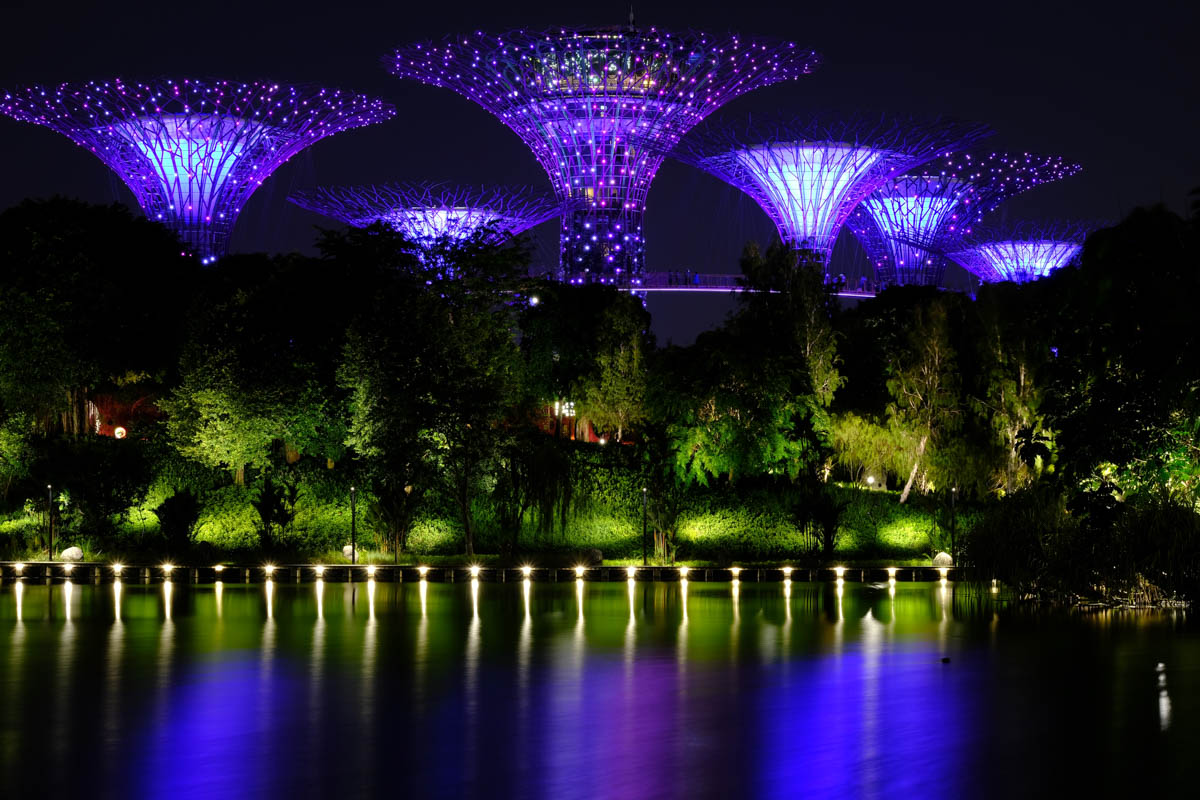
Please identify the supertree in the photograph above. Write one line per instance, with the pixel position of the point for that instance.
(900, 223)
(424, 212)
(1019, 253)
(809, 174)
(599, 108)
(193, 151)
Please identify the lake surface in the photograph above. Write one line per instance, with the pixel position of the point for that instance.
(572, 690)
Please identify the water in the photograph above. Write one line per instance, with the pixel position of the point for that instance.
(586, 690)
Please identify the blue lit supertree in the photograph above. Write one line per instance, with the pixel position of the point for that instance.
(901, 223)
(193, 151)
(424, 212)
(599, 107)
(1019, 253)
(810, 174)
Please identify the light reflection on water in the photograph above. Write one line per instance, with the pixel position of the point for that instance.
(585, 689)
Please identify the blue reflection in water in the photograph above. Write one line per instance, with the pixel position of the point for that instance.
(567, 690)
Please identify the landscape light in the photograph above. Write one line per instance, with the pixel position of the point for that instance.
(319, 569)
(422, 570)
(809, 174)
(683, 571)
(735, 571)
(117, 567)
(526, 570)
(193, 151)
(427, 213)
(166, 568)
(839, 571)
(630, 572)
(218, 568)
(904, 225)
(891, 571)
(600, 108)
(474, 570)
(68, 567)
(269, 569)
(579, 571)
(787, 572)
(943, 571)
(371, 571)
(870, 480)
(19, 568)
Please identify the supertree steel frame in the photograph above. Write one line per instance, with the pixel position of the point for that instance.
(193, 151)
(424, 212)
(599, 108)
(810, 174)
(1020, 253)
(901, 223)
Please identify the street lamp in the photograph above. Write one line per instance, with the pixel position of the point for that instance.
(644, 526)
(49, 523)
(870, 480)
(353, 532)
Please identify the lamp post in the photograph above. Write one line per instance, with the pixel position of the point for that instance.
(644, 526)
(953, 532)
(49, 523)
(353, 531)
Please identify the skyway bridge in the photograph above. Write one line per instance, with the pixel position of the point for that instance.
(684, 281)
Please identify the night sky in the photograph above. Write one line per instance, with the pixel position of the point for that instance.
(1116, 88)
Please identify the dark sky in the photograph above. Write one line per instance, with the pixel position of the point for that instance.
(1116, 87)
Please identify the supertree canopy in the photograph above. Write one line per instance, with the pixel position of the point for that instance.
(599, 108)
(900, 223)
(424, 212)
(1020, 253)
(810, 174)
(193, 151)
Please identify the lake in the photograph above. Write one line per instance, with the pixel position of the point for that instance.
(587, 689)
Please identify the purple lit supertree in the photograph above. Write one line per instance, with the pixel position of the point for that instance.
(193, 151)
(599, 107)
(810, 174)
(424, 212)
(1019, 253)
(901, 223)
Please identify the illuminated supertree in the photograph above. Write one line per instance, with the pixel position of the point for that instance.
(599, 108)
(193, 151)
(424, 212)
(810, 174)
(901, 223)
(1019, 253)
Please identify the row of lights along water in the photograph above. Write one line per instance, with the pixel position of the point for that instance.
(475, 570)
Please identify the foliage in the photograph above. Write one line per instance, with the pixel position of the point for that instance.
(177, 517)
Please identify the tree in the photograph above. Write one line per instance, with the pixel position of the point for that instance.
(613, 394)
(923, 384)
(87, 294)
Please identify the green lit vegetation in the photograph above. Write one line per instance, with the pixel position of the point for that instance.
(1047, 434)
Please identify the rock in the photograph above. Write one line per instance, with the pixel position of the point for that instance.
(348, 552)
(72, 554)
(593, 557)
(943, 560)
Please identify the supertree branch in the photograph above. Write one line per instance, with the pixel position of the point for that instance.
(424, 212)
(809, 174)
(1022, 252)
(193, 151)
(901, 223)
(599, 108)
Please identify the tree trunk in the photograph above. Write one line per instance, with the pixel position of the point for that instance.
(916, 463)
(239, 475)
